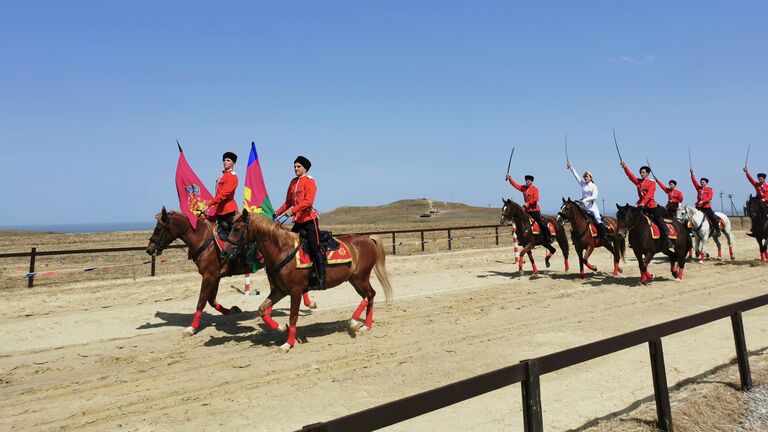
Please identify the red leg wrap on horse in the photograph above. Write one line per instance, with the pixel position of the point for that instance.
(672, 267)
(567, 266)
(730, 251)
(535, 270)
(582, 274)
(307, 301)
(719, 253)
(680, 273)
(221, 309)
(291, 336)
(369, 316)
(549, 255)
(359, 311)
(196, 320)
(520, 263)
(615, 268)
(272, 324)
(591, 267)
(702, 257)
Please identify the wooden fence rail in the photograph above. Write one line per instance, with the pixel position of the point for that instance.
(34, 253)
(528, 373)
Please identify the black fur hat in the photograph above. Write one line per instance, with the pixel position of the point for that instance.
(529, 177)
(304, 162)
(705, 179)
(673, 182)
(760, 175)
(230, 155)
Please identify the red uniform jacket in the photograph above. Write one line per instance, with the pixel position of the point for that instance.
(530, 195)
(674, 195)
(704, 194)
(762, 189)
(224, 201)
(646, 189)
(300, 199)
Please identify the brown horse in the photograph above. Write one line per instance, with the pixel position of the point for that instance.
(758, 213)
(200, 242)
(512, 211)
(574, 212)
(633, 222)
(278, 246)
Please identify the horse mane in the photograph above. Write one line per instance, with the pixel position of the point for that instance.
(272, 232)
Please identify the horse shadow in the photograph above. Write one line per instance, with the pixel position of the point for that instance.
(597, 279)
(738, 262)
(492, 273)
(226, 323)
(268, 338)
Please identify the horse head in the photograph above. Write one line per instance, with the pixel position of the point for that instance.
(627, 216)
(509, 211)
(239, 236)
(566, 211)
(755, 207)
(170, 226)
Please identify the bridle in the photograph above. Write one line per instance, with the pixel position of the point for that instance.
(167, 236)
(637, 218)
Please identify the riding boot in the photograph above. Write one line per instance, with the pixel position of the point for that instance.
(319, 261)
(715, 231)
(602, 234)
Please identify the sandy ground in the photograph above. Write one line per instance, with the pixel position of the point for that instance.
(110, 353)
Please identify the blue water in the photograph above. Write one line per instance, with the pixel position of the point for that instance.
(84, 227)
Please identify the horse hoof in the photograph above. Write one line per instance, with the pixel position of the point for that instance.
(701, 262)
(282, 329)
(364, 329)
(547, 264)
(234, 310)
(190, 331)
(313, 305)
(284, 348)
(354, 325)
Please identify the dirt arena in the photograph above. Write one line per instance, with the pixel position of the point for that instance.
(109, 353)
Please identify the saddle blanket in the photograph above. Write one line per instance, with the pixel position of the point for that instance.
(593, 229)
(336, 256)
(722, 224)
(655, 233)
(536, 230)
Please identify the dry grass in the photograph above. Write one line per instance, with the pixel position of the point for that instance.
(710, 402)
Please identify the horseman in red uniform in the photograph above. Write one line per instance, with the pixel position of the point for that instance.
(223, 203)
(674, 196)
(299, 202)
(646, 189)
(704, 202)
(531, 197)
(761, 187)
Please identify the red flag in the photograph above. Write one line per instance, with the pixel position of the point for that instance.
(192, 193)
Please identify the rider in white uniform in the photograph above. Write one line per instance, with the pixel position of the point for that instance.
(589, 199)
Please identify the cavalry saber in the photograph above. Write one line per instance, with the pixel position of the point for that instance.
(616, 143)
(567, 159)
(690, 164)
(649, 167)
(509, 164)
(746, 161)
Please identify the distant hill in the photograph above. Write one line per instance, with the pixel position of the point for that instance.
(410, 211)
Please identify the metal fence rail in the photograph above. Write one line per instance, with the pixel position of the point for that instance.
(528, 373)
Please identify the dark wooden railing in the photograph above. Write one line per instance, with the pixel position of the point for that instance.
(528, 373)
(34, 253)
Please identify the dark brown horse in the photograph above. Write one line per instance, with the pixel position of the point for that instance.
(581, 235)
(758, 213)
(200, 242)
(513, 212)
(634, 223)
(278, 246)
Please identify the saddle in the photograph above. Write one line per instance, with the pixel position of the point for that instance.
(535, 229)
(327, 242)
(656, 233)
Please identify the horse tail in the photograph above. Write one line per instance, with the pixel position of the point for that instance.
(381, 270)
(622, 249)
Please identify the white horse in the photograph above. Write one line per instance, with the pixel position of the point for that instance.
(699, 225)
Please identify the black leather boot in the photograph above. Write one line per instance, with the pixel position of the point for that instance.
(320, 264)
(602, 234)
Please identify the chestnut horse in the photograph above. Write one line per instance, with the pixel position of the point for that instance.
(172, 226)
(574, 212)
(512, 211)
(633, 222)
(758, 213)
(278, 246)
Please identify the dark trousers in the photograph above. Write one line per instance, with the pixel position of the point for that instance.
(714, 221)
(310, 230)
(657, 216)
(543, 228)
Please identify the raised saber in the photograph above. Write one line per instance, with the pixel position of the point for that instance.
(690, 164)
(616, 143)
(747, 160)
(567, 159)
(649, 167)
(509, 164)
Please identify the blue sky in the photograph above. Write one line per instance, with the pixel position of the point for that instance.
(389, 99)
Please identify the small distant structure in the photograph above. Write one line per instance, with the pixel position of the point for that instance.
(431, 212)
